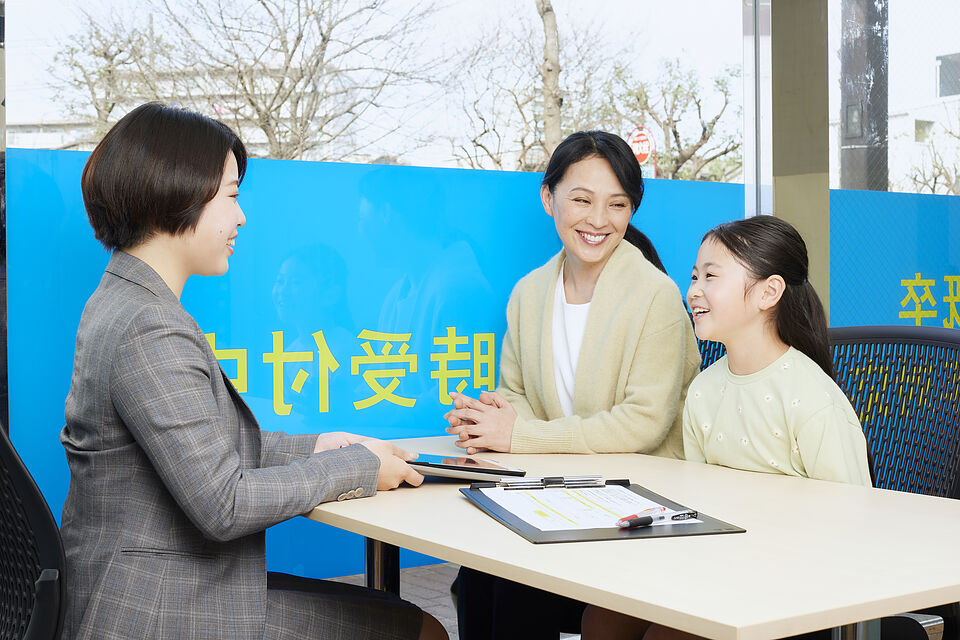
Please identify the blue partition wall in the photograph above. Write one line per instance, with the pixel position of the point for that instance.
(894, 259)
(357, 295)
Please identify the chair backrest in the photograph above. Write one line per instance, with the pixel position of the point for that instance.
(31, 554)
(904, 383)
(710, 352)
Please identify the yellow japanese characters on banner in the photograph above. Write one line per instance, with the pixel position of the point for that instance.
(383, 363)
(919, 302)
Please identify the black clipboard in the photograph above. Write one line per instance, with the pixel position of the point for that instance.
(707, 526)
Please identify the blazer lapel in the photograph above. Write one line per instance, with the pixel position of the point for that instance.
(132, 269)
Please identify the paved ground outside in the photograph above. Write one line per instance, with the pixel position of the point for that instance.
(428, 587)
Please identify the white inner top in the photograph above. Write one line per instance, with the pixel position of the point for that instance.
(569, 322)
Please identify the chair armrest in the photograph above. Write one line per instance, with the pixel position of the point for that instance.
(45, 615)
(912, 625)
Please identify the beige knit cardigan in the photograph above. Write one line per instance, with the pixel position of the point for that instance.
(638, 356)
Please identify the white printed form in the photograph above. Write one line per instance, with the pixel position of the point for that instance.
(555, 509)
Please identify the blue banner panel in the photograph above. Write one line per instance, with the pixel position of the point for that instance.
(675, 214)
(358, 296)
(894, 259)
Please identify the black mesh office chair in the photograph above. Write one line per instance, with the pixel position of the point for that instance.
(710, 352)
(31, 555)
(904, 383)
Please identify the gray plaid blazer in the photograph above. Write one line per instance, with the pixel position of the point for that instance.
(172, 482)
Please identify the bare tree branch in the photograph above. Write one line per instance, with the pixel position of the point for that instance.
(296, 78)
(550, 75)
(709, 149)
(938, 170)
(500, 77)
(935, 174)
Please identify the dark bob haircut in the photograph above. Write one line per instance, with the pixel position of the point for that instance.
(154, 171)
(589, 144)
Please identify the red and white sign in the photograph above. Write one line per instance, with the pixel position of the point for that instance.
(642, 145)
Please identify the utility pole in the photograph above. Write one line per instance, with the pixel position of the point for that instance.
(864, 53)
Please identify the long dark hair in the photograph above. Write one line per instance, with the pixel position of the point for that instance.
(768, 246)
(587, 144)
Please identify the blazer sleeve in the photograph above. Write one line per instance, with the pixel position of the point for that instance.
(279, 448)
(161, 388)
(653, 396)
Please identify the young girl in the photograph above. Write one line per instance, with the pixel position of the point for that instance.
(769, 405)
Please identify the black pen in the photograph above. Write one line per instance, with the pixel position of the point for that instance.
(633, 522)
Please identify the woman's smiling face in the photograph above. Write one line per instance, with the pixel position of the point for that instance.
(209, 246)
(590, 210)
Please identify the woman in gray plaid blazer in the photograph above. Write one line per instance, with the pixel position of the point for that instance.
(172, 482)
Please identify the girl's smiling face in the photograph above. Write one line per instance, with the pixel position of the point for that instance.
(721, 295)
(591, 211)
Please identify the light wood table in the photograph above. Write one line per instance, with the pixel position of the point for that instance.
(815, 555)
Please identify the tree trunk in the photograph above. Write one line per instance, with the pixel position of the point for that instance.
(550, 74)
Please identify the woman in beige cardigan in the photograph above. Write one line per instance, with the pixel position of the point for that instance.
(597, 358)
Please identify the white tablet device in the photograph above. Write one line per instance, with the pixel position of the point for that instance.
(462, 467)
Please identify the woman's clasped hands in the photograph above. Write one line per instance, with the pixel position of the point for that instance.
(481, 424)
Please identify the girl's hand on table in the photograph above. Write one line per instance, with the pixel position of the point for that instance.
(484, 424)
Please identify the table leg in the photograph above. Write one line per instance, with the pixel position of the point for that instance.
(383, 566)
(869, 630)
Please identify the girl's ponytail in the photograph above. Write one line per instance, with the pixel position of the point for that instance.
(802, 324)
(768, 246)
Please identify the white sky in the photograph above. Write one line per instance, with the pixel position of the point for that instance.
(711, 35)
(920, 30)
(706, 34)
